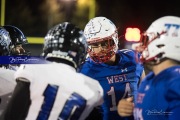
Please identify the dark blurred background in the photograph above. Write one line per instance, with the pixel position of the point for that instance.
(35, 17)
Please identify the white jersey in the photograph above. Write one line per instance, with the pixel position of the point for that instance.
(58, 92)
(7, 85)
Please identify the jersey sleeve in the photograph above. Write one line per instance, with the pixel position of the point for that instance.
(19, 103)
(173, 98)
(92, 83)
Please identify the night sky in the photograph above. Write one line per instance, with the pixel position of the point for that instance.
(26, 15)
(138, 13)
(124, 13)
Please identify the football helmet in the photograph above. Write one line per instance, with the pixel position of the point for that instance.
(16, 35)
(162, 40)
(101, 30)
(5, 42)
(18, 39)
(67, 42)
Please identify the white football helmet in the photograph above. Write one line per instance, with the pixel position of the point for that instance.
(162, 40)
(101, 29)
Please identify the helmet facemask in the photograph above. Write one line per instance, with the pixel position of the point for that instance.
(146, 41)
(102, 50)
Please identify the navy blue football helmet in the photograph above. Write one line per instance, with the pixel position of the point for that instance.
(67, 42)
(16, 35)
(18, 40)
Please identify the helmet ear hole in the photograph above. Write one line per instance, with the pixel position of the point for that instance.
(160, 46)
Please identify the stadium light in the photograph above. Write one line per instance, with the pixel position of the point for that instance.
(132, 34)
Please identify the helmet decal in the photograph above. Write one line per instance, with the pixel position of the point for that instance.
(176, 28)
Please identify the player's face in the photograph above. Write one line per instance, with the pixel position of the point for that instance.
(18, 49)
(99, 47)
(101, 50)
